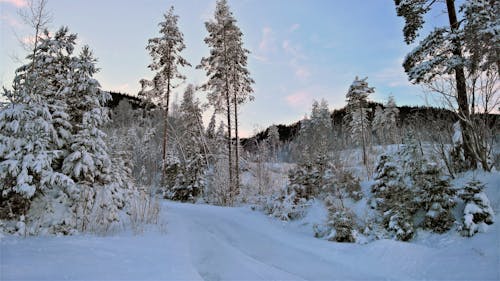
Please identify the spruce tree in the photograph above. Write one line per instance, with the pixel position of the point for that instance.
(437, 199)
(477, 211)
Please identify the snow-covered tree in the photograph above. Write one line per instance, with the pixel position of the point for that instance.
(393, 198)
(34, 126)
(357, 117)
(478, 212)
(229, 82)
(340, 223)
(467, 45)
(378, 124)
(390, 123)
(189, 180)
(165, 51)
(437, 199)
(273, 139)
(53, 151)
(315, 135)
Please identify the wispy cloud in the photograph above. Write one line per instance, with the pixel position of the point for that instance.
(297, 58)
(268, 40)
(294, 27)
(294, 50)
(10, 21)
(17, 3)
(299, 99)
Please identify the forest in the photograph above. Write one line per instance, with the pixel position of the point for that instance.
(77, 160)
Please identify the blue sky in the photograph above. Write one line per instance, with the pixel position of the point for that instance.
(300, 49)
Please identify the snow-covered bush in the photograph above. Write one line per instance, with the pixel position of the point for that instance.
(217, 183)
(347, 183)
(437, 198)
(143, 209)
(478, 212)
(286, 205)
(340, 224)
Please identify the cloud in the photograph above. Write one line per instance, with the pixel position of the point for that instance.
(293, 50)
(10, 21)
(17, 3)
(300, 70)
(268, 40)
(299, 99)
(294, 27)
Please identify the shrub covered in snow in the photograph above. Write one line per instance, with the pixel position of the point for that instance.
(478, 212)
(437, 198)
(340, 224)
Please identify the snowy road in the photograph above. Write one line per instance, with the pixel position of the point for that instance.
(213, 243)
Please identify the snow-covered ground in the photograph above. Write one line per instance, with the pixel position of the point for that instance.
(202, 242)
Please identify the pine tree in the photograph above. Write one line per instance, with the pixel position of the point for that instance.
(165, 51)
(357, 113)
(229, 83)
(467, 44)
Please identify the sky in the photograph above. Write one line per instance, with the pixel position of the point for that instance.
(301, 50)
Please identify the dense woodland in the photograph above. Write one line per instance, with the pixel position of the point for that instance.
(75, 158)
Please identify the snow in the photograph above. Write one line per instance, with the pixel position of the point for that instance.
(202, 242)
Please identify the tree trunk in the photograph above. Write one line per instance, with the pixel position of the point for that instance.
(228, 110)
(362, 131)
(236, 150)
(165, 135)
(230, 155)
(463, 107)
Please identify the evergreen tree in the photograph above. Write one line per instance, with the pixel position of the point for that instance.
(357, 113)
(478, 211)
(390, 123)
(394, 199)
(229, 83)
(315, 135)
(340, 222)
(437, 199)
(165, 51)
(273, 138)
(34, 126)
(189, 179)
(467, 44)
(378, 124)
